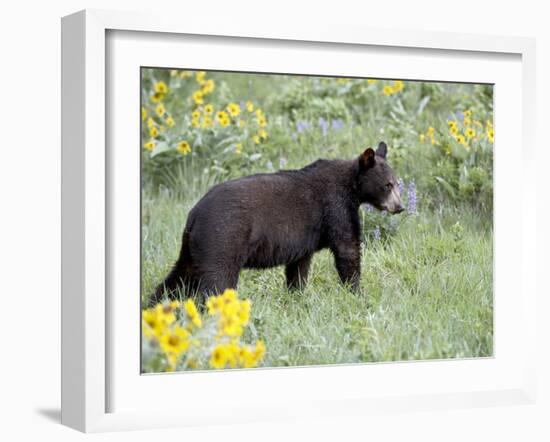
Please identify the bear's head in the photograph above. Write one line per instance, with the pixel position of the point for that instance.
(377, 183)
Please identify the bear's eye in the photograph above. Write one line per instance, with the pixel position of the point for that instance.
(389, 186)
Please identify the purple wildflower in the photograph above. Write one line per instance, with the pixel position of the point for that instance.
(337, 124)
(400, 185)
(282, 162)
(323, 124)
(411, 198)
(269, 165)
(368, 208)
(376, 233)
(302, 125)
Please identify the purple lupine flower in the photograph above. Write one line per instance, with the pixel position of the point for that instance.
(376, 233)
(302, 125)
(337, 124)
(411, 198)
(282, 162)
(269, 165)
(323, 124)
(400, 185)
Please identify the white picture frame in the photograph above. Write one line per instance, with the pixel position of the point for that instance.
(87, 356)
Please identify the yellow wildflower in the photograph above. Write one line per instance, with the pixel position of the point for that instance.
(183, 147)
(195, 115)
(398, 86)
(175, 341)
(192, 312)
(460, 139)
(256, 139)
(246, 358)
(491, 135)
(231, 326)
(160, 87)
(170, 121)
(185, 74)
(388, 90)
(238, 148)
(467, 121)
(470, 133)
(208, 109)
(452, 123)
(468, 113)
(174, 304)
(371, 81)
(234, 109)
(261, 120)
(262, 134)
(150, 122)
(207, 122)
(454, 130)
(198, 97)
(218, 358)
(153, 132)
(156, 320)
(223, 118)
(208, 87)
(229, 295)
(213, 305)
(157, 97)
(249, 106)
(143, 114)
(199, 76)
(422, 137)
(160, 110)
(259, 351)
(150, 145)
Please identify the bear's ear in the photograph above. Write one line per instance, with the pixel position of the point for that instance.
(382, 150)
(366, 159)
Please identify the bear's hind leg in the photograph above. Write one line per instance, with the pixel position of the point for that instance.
(215, 282)
(297, 273)
(174, 281)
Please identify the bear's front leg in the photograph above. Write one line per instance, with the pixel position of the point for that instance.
(348, 263)
(296, 273)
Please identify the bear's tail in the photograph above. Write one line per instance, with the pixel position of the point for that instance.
(177, 277)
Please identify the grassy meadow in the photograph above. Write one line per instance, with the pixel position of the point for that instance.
(426, 284)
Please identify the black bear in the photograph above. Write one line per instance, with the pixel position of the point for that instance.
(282, 218)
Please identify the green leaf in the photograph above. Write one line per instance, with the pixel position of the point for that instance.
(160, 148)
(423, 104)
(446, 185)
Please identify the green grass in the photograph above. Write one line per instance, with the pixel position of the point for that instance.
(426, 291)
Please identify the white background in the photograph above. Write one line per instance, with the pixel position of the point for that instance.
(30, 216)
